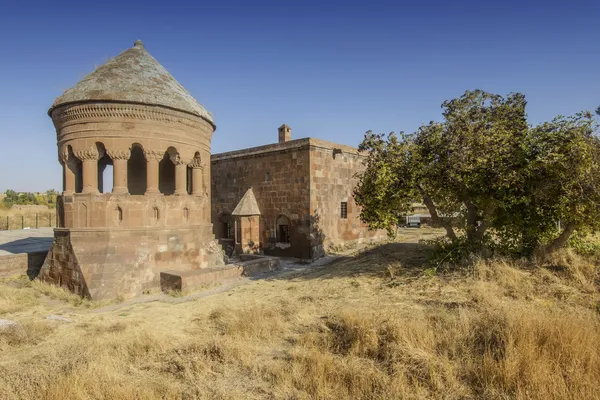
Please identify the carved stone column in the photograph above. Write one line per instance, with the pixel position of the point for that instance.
(153, 157)
(68, 175)
(119, 159)
(197, 177)
(180, 174)
(89, 159)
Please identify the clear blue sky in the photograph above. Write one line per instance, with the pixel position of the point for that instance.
(329, 69)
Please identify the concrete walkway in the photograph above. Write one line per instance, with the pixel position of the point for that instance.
(25, 241)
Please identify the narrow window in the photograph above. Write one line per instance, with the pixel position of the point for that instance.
(283, 229)
(284, 233)
(155, 214)
(267, 177)
(136, 171)
(186, 213)
(227, 230)
(344, 210)
(188, 178)
(118, 215)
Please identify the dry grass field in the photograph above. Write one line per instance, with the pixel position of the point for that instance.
(17, 219)
(368, 326)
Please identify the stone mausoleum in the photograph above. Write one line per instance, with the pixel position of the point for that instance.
(292, 198)
(131, 117)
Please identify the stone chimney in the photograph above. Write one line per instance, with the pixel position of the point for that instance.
(285, 133)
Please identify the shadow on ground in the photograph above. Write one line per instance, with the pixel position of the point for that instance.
(26, 245)
(406, 259)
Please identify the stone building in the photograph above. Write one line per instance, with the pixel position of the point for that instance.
(301, 192)
(130, 115)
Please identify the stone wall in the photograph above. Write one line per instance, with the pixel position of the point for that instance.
(279, 177)
(87, 210)
(307, 181)
(334, 170)
(106, 263)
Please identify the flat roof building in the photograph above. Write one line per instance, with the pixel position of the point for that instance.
(303, 191)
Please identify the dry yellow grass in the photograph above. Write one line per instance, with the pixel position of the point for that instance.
(371, 326)
(27, 218)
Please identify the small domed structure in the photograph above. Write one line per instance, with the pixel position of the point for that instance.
(130, 115)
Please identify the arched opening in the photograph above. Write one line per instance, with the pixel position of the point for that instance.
(105, 170)
(282, 229)
(136, 170)
(186, 214)
(118, 216)
(76, 167)
(225, 226)
(166, 172)
(189, 181)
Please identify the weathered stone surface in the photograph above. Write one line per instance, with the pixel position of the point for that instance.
(104, 264)
(303, 181)
(133, 114)
(133, 76)
(279, 177)
(185, 280)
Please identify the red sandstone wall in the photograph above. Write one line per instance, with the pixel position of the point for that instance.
(285, 193)
(333, 178)
(104, 264)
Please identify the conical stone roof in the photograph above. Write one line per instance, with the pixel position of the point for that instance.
(133, 76)
(247, 205)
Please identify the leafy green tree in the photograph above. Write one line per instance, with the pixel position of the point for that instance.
(564, 178)
(461, 168)
(11, 197)
(485, 175)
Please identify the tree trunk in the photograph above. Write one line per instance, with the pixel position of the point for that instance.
(472, 218)
(435, 218)
(481, 225)
(562, 239)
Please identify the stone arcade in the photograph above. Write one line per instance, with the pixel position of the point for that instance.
(132, 115)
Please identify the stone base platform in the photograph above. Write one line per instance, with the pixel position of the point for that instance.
(186, 280)
(101, 263)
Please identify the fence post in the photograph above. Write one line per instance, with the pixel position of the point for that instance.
(36, 221)
(49, 219)
(22, 221)
(7, 222)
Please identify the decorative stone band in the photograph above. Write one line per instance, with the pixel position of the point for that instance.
(119, 154)
(155, 155)
(90, 154)
(68, 113)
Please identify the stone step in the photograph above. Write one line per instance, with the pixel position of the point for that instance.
(186, 280)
